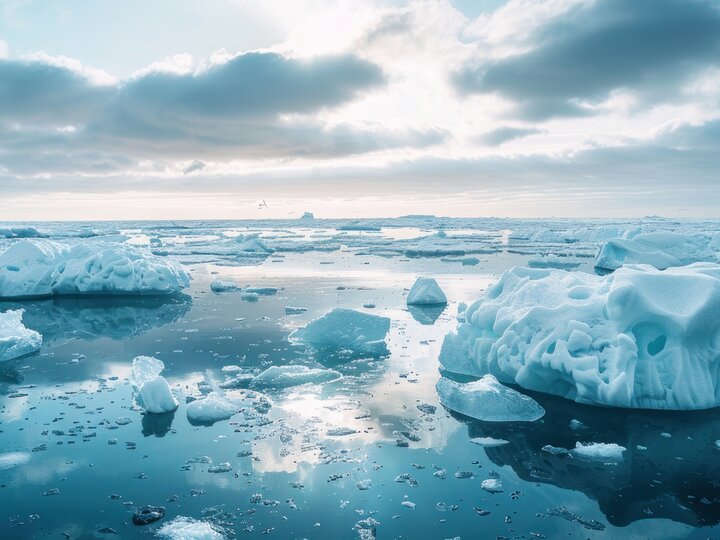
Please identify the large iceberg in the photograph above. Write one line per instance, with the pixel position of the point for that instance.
(152, 387)
(15, 339)
(425, 292)
(639, 337)
(488, 400)
(346, 329)
(41, 268)
(659, 249)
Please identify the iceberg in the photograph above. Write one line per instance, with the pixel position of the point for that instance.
(15, 339)
(220, 285)
(154, 390)
(488, 400)
(213, 408)
(659, 249)
(637, 338)
(287, 376)
(346, 329)
(425, 292)
(600, 451)
(41, 268)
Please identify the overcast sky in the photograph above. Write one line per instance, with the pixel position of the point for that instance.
(198, 109)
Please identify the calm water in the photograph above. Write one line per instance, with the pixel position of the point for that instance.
(62, 408)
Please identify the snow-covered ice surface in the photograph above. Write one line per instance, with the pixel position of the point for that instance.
(639, 337)
(339, 442)
(15, 338)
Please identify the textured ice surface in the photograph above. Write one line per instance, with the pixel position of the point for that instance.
(185, 528)
(601, 451)
(153, 388)
(286, 376)
(488, 400)
(213, 408)
(220, 285)
(639, 337)
(659, 249)
(346, 329)
(426, 291)
(15, 339)
(37, 268)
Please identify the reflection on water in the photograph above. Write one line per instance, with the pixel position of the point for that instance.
(426, 315)
(670, 467)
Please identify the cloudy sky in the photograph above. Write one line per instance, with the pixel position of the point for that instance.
(200, 108)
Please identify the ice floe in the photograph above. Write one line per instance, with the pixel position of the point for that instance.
(488, 400)
(153, 389)
(215, 407)
(426, 291)
(40, 268)
(639, 337)
(15, 338)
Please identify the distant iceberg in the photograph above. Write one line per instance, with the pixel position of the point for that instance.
(424, 292)
(41, 268)
(639, 338)
(15, 339)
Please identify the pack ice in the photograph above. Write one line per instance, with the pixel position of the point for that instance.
(639, 337)
(15, 339)
(488, 400)
(38, 268)
(153, 388)
(346, 329)
(660, 249)
(425, 292)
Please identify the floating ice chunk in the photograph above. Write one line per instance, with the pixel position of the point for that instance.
(185, 528)
(286, 376)
(638, 338)
(307, 215)
(426, 291)
(15, 339)
(492, 485)
(262, 291)
(37, 268)
(220, 285)
(294, 310)
(154, 390)
(10, 460)
(488, 400)
(610, 451)
(341, 431)
(488, 442)
(346, 329)
(363, 485)
(659, 249)
(251, 244)
(213, 408)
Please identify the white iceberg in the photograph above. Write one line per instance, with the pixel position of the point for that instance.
(346, 329)
(154, 390)
(600, 451)
(426, 291)
(39, 268)
(287, 376)
(488, 400)
(639, 337)
(185, 528)
(659, 249)
(210, 409)
(16, 339)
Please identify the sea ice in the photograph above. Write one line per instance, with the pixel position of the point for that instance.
(488, 400)
(659, 249)
(213, 408)
(15, 338)
(39, 268)
(154, 390)
(346, 329)
(286, 376)
(639, 337)
(488, 442)
(426, 291)
(600, 451)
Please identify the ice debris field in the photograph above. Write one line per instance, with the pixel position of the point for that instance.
(418, 377)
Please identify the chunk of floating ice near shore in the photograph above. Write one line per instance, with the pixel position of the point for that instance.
(608, 451)
(213, 408)
(294, 310)
(185, 528)
(154, 390)
(346, 329)
(286, 376)
(426, 291)
(221, 285)
(488, 400)
(37, 268)
(10, 460)
(15, 338)
(488, 441)
(637, 338)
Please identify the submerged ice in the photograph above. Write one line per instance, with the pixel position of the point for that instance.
(639, 337)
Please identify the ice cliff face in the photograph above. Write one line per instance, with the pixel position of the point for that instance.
(639, 338)
(41, 268)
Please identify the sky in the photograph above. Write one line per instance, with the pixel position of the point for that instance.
(199, 109)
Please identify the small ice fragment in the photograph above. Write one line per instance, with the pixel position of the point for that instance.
(408, 504)
(488, 441)
(213, 408)
(185, 528)
(576, 424)
(294, 310)
(363, 485)
(492, 485)
(340, 431)
(600, 450)
(220, 468)
(220, 285)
